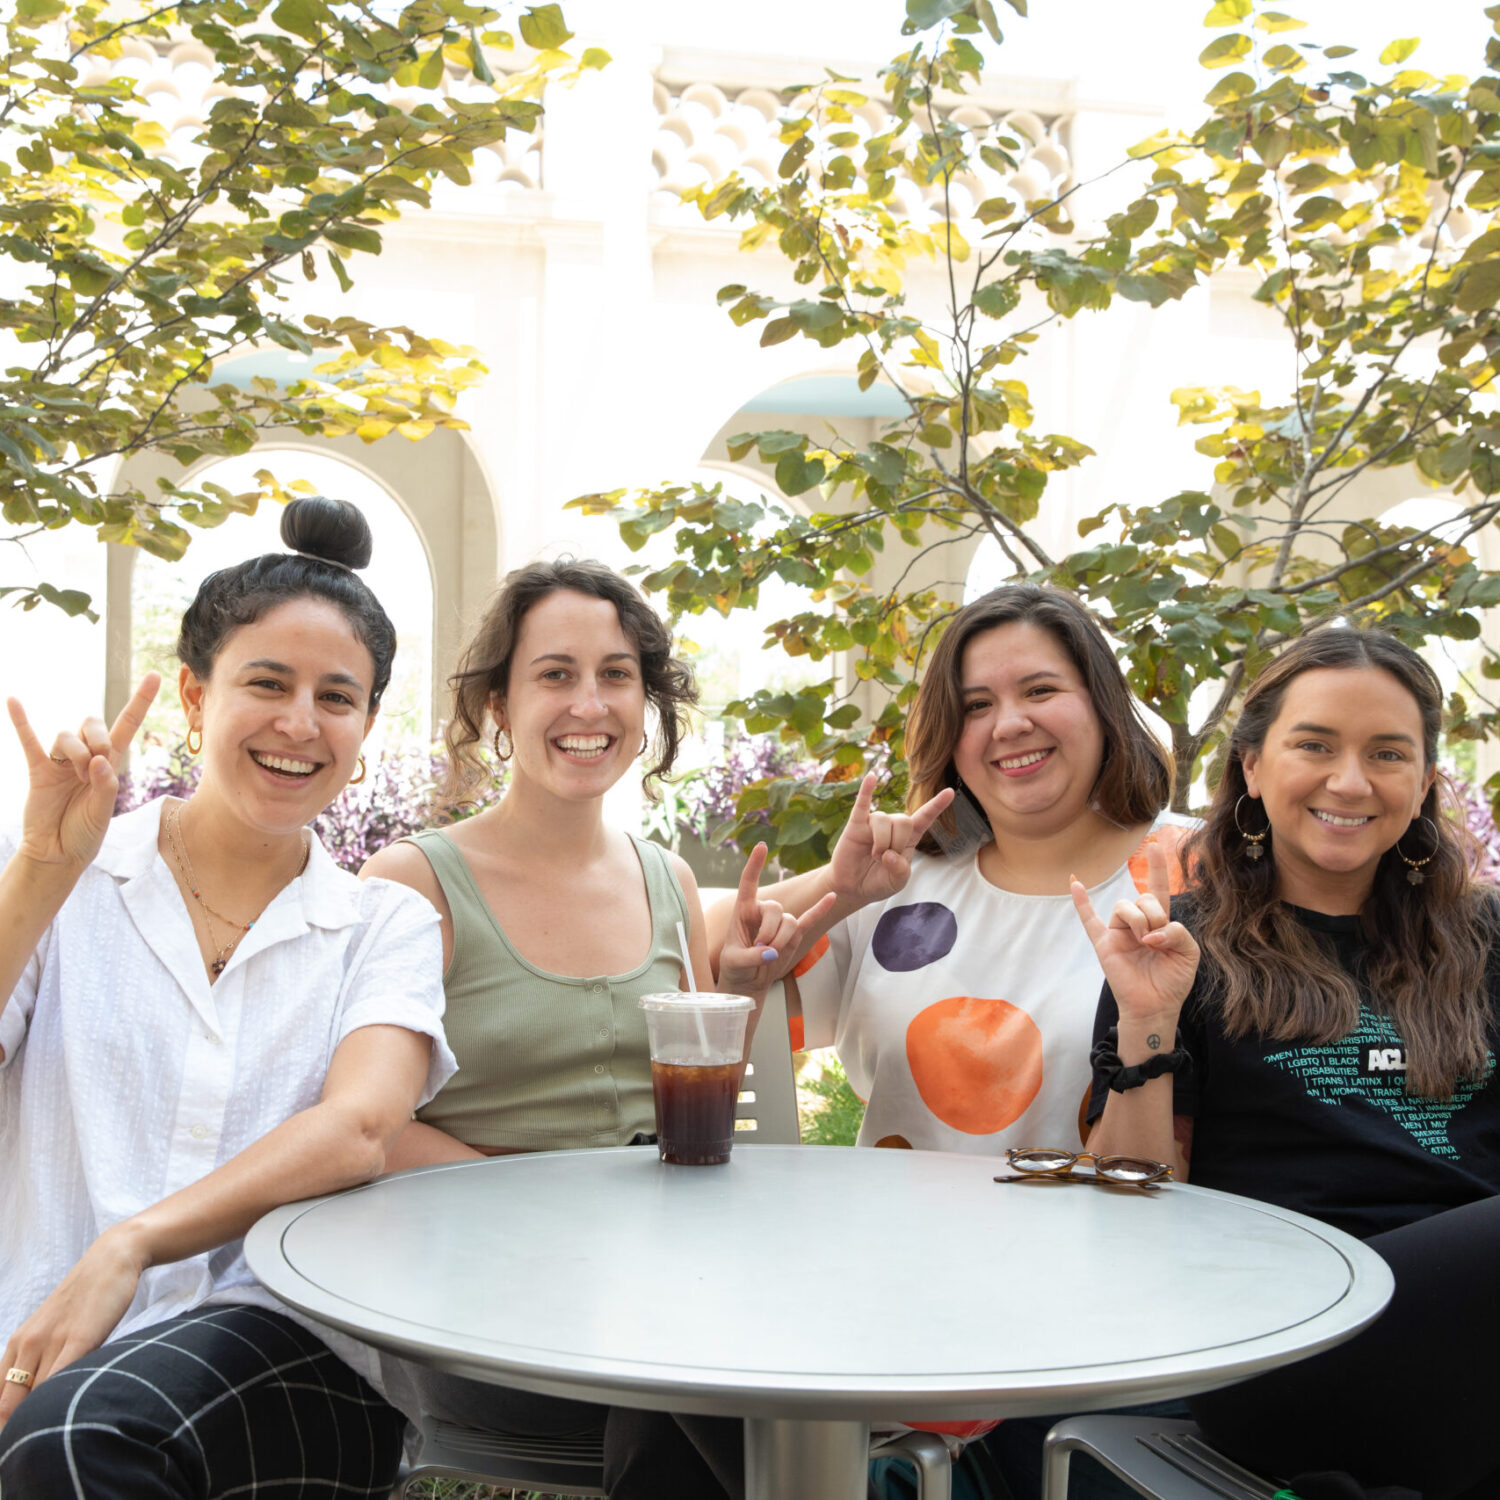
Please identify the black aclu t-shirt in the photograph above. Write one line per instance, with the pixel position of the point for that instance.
(1329, 1130)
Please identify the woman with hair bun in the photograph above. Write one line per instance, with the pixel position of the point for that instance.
(203, 1018)
(1315, 1024)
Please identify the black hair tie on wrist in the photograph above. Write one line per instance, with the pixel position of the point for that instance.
(1107, 1065)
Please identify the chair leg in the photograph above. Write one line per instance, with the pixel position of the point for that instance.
(929, 1455)
(1057, 1456)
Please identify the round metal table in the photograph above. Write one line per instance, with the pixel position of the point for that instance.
(812, 1290)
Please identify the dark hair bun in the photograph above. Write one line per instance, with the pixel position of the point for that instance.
(334, 530)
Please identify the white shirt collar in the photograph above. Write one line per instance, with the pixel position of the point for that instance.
(329, 895)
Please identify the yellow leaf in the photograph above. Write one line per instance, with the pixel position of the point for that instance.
(1401, 49)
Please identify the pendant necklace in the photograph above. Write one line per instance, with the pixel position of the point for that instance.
(176, 843)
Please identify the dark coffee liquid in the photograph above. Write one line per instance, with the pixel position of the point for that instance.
(695, 1111)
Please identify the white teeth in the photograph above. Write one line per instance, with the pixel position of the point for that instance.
(1019, 761)
(282, 763)
(580, 744)
(1337, 822)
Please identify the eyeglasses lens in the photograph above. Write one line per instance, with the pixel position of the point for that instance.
(1130, 1169)
(1039, 1159)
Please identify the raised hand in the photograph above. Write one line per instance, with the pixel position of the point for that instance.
(764, 941)
(1149, 960)
(872, 859)
(72, 790)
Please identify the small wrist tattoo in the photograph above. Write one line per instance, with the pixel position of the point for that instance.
(1153, 1041)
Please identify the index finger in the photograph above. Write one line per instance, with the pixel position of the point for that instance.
(747, 898)
(931, 810)
(30, 744)
(133, 715)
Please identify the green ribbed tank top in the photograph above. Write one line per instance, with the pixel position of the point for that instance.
(546, 1062)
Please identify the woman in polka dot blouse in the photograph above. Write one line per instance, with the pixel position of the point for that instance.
(955, 981)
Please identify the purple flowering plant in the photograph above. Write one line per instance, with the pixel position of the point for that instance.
(397, 797)
(1479, 818)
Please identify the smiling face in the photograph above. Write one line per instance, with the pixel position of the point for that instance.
(1341, 775)
(1031, 744)
(575, 705)
(283, 714)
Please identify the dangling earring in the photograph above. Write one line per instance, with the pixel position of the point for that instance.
(508, 751)
(193, 749)
(1253, 841)
(1414, 875)
(355, 780)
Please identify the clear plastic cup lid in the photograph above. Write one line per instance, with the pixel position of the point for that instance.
(696, 1000)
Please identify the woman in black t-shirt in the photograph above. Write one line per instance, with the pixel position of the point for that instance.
(1332, 975)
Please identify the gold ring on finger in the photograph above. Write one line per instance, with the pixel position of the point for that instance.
(17, 1376)
(62, 760)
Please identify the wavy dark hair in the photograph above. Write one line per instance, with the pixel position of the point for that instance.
(1135, 775)
(1427, 944)
(484, 665)
(329, 539)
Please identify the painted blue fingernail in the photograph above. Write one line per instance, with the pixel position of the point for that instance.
(768, 955)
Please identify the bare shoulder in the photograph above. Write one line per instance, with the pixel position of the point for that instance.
(684, 872)
(407, 865)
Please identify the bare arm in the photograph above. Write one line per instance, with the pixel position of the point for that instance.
(373, 1083)
(70, 798)
(1150, 962)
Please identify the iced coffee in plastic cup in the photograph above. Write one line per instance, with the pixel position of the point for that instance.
(697, 1056)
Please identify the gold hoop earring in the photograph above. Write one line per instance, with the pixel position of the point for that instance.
(355, 780)
(193, 749)
(1414, 875)
(1254, 842)
(510, 749)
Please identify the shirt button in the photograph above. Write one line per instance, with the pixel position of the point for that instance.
(598, 989)
(214, 1039)
(598, 1067)
(604, 1032)
(198, 1132)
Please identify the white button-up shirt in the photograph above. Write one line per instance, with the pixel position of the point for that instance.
(127, 1076)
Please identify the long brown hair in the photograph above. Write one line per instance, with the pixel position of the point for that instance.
(1135, 775)
(1427, 943)
(484, 664)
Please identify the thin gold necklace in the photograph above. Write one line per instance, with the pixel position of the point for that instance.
(178, 846)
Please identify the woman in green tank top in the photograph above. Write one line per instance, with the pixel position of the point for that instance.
(554, 925)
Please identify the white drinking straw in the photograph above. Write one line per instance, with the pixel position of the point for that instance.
(687, 959)
(687, 964)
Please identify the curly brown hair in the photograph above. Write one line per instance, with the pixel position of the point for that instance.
(1135, 776)
(484, 665)
(1427, 943)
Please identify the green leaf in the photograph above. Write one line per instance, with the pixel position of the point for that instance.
(1227, 13)
(998, 298)
(1277, 20)
(1481, 287)
(301, 17)
(922, 14)
(1225, 50)
(543, 27)
(1401, 49)
(795, 474)
(337, 265)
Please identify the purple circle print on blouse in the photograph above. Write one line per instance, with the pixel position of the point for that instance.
(911, 937)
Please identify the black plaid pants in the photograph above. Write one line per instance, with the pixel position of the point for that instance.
(225, 1401)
